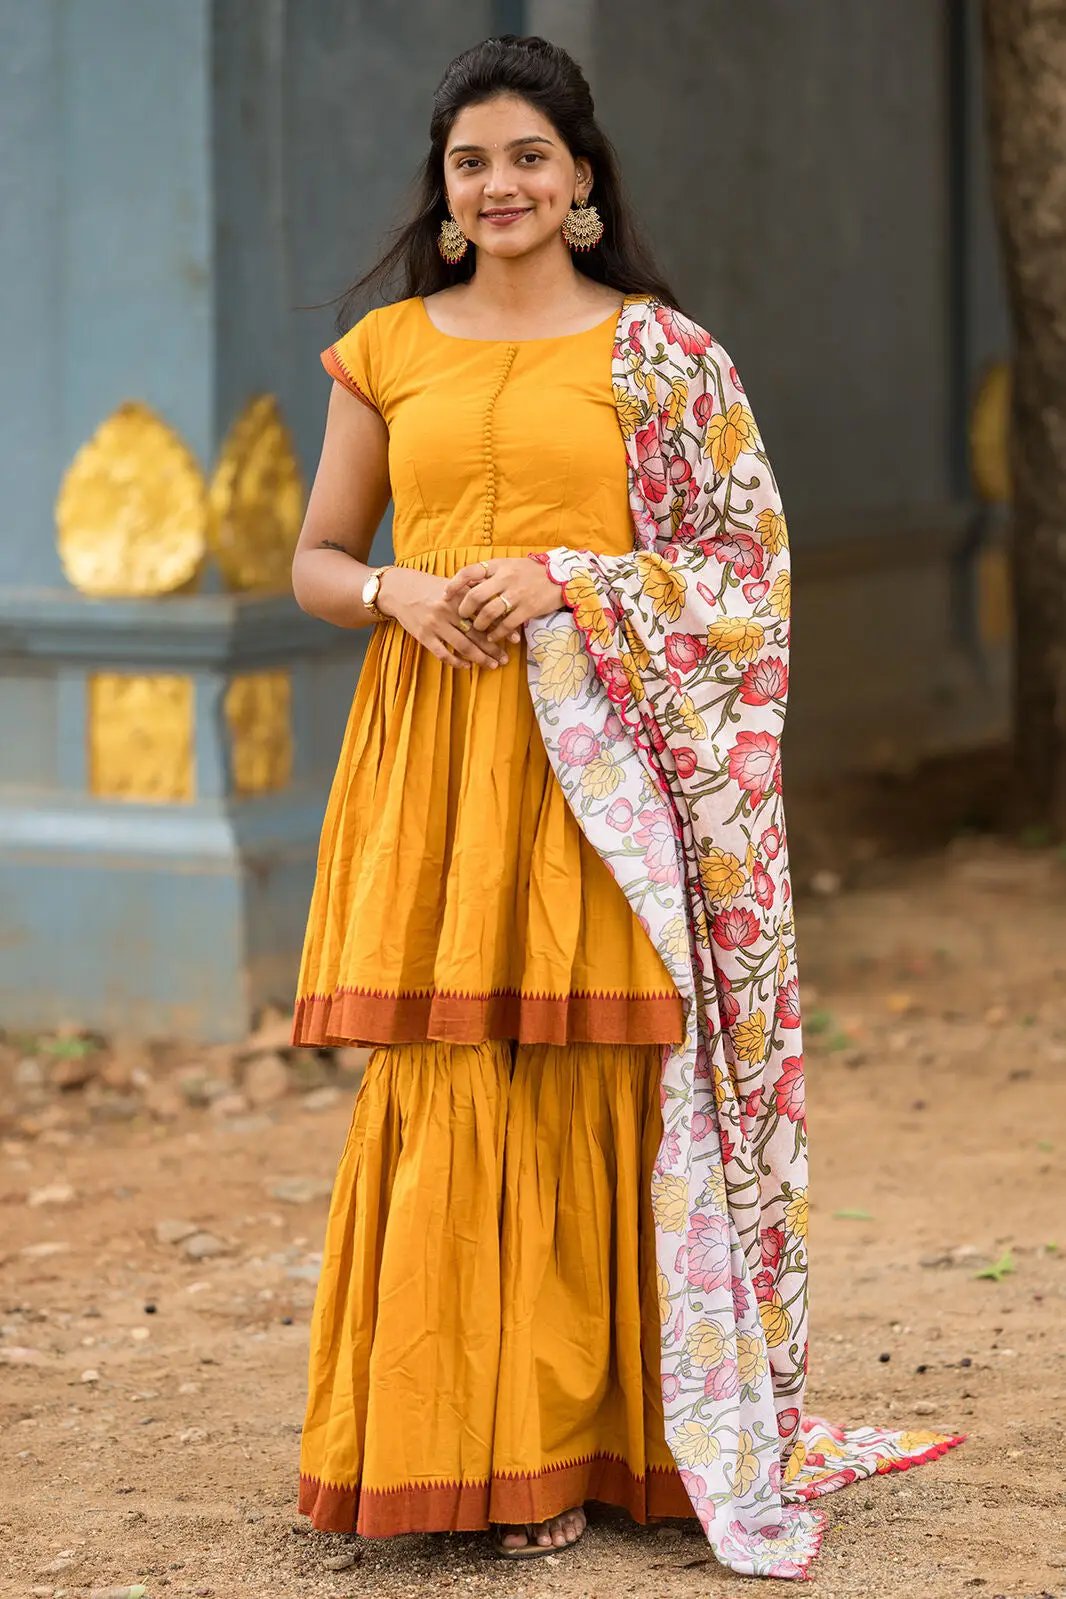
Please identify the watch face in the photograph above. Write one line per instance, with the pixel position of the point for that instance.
(370, 589)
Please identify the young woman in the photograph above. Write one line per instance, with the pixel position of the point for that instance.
(566, 1250)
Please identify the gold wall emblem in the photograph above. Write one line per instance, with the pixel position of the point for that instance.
(259, 715)
(142, 737)
(257, 500)
(132, 509)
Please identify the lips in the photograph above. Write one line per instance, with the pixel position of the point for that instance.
(511, 215)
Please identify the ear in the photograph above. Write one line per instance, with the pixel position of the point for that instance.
(582, 177)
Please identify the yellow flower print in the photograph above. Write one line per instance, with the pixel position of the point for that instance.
(700, 929)
(675, 937)
(738, 637)
(664, 1296)
(749, 1038)
(694, 1444)
(669, 1202)
(692, 719)
(662, 584)
(722, 876)
(780, 597)
(796, 1212)
(633, 677)
(600, 777)
(751, 855)
(707, 1345)
(629, 411)
(782, 959)
(588, 610)
(563, 663)
(775, 1320)
(674, 405)
(745, 1467)
(637, 647)
(751, 1362)
(772, 530)
(714, 1189)
(795, 1463)
(909, 1442)
(729, 436)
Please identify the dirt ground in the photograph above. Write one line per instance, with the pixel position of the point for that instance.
(162, 1211)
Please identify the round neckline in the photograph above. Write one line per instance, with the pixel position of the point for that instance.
(544, 338)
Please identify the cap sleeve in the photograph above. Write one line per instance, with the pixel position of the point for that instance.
(352, 361)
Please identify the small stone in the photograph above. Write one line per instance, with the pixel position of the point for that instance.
(924, 1407)
(300, 1190)
(19, 1355)
(90, 1375)
(201, 1246)
(51, 1194)
(29, 1073)
(826, 883)
(173, 1231)
(995, 1015)
(67, 1075)
(342, 1562)
(140, 1333)
(192, 1435)
(884, 1358)
(188, 1388)
(321, 1099)
(266, 1079)
(44, 1250)
(163, 1102)
(229, 1105)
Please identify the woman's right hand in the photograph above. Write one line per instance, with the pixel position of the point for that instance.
(416, 600)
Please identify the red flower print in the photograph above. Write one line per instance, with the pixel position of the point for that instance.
(763, 885)
(684, 651)
(787, 1008)
(708, 1252)
(684, 760)
(752, 1103)
(671, 1388)
(726, 1003)
(701, 1126)
(740, 1300)
(679, 330)
(619, 815)
(754, 763)
(578, 745)
(706, 594)
(614, 680)
(669, 1151)
(734, 378)
(613, 726)
(772, 1242)
(754, 591)
(650, 463)
(787, 1421)
(744, 553)
(703, 409)
(770, 843)
(763, 1284)
(726, 1145)
(735, 929)
(788, 1090)
(764, 681)
(655, 835)
(655, 735)
(722, 1382)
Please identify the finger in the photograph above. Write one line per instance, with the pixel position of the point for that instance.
(472, 650)
(474, 598)
(503, 629)
(463, 580)
(481, 640)
(435, 647)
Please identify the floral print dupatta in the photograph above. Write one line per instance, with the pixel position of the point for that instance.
(660, 692)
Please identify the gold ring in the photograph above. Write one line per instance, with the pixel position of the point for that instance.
(465, 624)
(485, 564)
(507, 606)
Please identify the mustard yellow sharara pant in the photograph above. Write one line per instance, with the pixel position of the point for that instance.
(485, 1336)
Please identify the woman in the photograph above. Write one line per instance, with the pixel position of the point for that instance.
(566, 1250)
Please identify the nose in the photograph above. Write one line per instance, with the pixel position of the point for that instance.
(499, 184)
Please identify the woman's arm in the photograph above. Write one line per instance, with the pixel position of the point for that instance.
(347, 501)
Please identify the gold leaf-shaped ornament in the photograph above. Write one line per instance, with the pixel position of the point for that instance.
(132, 509)
(257, 500)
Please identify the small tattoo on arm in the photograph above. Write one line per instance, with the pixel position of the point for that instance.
(328, 544)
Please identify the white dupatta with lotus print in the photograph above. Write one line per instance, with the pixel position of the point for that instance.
(660, 693)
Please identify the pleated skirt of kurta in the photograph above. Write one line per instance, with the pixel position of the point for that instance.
(456, 897)
(485, 1336)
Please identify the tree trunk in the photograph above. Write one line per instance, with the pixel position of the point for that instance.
(1025, 74)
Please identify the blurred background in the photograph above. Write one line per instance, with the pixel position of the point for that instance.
(179, 180)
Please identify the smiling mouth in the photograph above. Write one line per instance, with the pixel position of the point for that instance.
(500, 216)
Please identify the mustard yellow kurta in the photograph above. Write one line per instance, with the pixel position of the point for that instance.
(485, 1336)
(456, 898)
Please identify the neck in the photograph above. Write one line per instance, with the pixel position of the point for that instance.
(529, 283)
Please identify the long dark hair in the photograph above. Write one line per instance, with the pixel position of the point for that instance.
(551, 80)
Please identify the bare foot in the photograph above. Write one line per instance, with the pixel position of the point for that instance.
(561, 1530)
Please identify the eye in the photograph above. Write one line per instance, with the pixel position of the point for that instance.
(534, 153)
(467, 161)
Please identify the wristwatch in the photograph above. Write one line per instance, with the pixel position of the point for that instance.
(369, 594)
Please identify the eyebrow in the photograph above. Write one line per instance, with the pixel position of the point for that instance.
(529, 138)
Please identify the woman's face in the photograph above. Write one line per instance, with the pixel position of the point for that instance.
(509, 178)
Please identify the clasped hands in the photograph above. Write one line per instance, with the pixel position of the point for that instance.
(467, 619)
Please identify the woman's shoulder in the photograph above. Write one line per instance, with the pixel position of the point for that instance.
(381, 320)
(669, 324)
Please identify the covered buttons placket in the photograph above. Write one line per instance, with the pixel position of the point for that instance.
(489, 516)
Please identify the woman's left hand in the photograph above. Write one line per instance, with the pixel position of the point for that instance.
(477, 591)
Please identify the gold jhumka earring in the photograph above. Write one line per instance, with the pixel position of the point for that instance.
(582, 226)
(452, 241)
